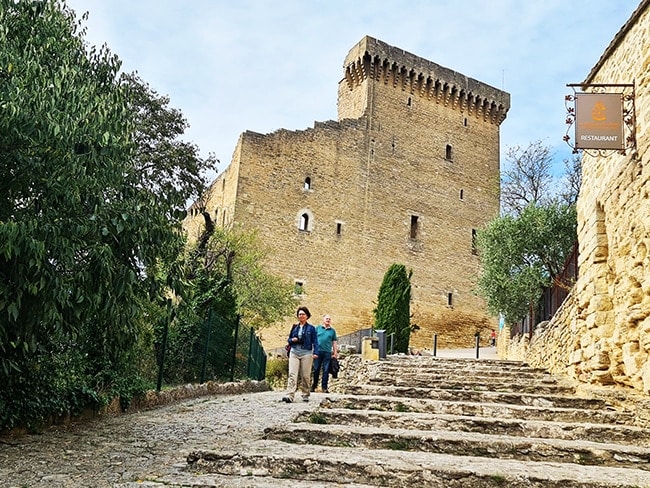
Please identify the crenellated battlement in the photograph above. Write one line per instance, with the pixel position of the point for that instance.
(375, 60)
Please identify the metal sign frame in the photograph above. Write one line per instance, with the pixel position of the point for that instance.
(611, 113)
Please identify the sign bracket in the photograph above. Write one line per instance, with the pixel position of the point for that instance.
(627, 93)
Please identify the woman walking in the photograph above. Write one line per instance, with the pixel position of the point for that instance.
(304, 348)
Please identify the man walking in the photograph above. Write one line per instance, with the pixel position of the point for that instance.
(327, 349)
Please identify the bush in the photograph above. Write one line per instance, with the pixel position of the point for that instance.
(277, 373)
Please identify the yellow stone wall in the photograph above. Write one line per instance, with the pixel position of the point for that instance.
(602, 335)
(384, 162)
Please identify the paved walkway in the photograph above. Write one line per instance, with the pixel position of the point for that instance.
(125, 450)
(149, 448)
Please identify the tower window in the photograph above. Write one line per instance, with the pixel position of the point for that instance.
(307, 185)
(461, 194)
(450, 299)
(299, 288)
(465, 122)
(304, 222)
(414, 226)
(339, 229)
(448, 152)
(408, 102)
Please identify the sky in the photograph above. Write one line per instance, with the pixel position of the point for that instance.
(235, 65)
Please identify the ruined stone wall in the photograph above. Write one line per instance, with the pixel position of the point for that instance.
(406, 174)
(604, 335)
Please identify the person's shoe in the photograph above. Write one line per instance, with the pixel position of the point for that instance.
(286, 400)
(305, 399)
(313, 389)
(326, 390)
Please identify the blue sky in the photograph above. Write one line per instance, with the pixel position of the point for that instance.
(262, 65)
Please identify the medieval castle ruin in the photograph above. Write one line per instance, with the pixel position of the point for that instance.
(407, 174)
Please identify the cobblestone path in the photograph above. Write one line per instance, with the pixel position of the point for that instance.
(141, 448)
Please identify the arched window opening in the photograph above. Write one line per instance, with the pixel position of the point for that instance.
(304, 222)
(307, 185)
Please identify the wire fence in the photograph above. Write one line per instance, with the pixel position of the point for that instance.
(225, 350)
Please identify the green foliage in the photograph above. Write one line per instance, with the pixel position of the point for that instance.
(228, 282)
(201, 339)
(277, 371)
(240, 255)
(521, 255)
(93, 183)
(393, 306)
(317, 418)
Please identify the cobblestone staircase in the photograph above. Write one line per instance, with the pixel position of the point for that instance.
(424, 421)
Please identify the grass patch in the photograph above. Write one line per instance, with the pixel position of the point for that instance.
(317, 418)
(400, 407)
(400, 445)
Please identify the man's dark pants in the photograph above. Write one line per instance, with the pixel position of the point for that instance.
(322, 362)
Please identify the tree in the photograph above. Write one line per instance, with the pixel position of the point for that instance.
(227, 279)
(572, 180)
(166, 165)
(527, 178)
(64, 214)
(520, 255)
(85, 212)
(393, 306)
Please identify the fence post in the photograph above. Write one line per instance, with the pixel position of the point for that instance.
(478, 342)
(250, 353)
(381, 339)
(234, 351)
(435, 345)
(162, 355)
(205, 349)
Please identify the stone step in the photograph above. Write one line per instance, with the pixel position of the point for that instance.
(463, 365)
(465, 444)
(463, 395)
(243, 480)
(465, 371)
(392, 468)
(551, 429)
(474, 409)
(473, 383)
(459, 363)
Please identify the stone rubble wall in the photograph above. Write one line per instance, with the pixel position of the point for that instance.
(602, 335)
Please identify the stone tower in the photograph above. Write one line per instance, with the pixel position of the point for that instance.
(408, 174)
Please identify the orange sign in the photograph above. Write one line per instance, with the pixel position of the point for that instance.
(599, 121)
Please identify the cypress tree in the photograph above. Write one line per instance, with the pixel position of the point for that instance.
(393, 306)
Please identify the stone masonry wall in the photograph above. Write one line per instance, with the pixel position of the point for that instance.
(405, 175)
(602, 335)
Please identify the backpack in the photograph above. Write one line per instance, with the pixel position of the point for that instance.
(334, 367)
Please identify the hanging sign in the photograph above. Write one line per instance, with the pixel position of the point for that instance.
(599, 121)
